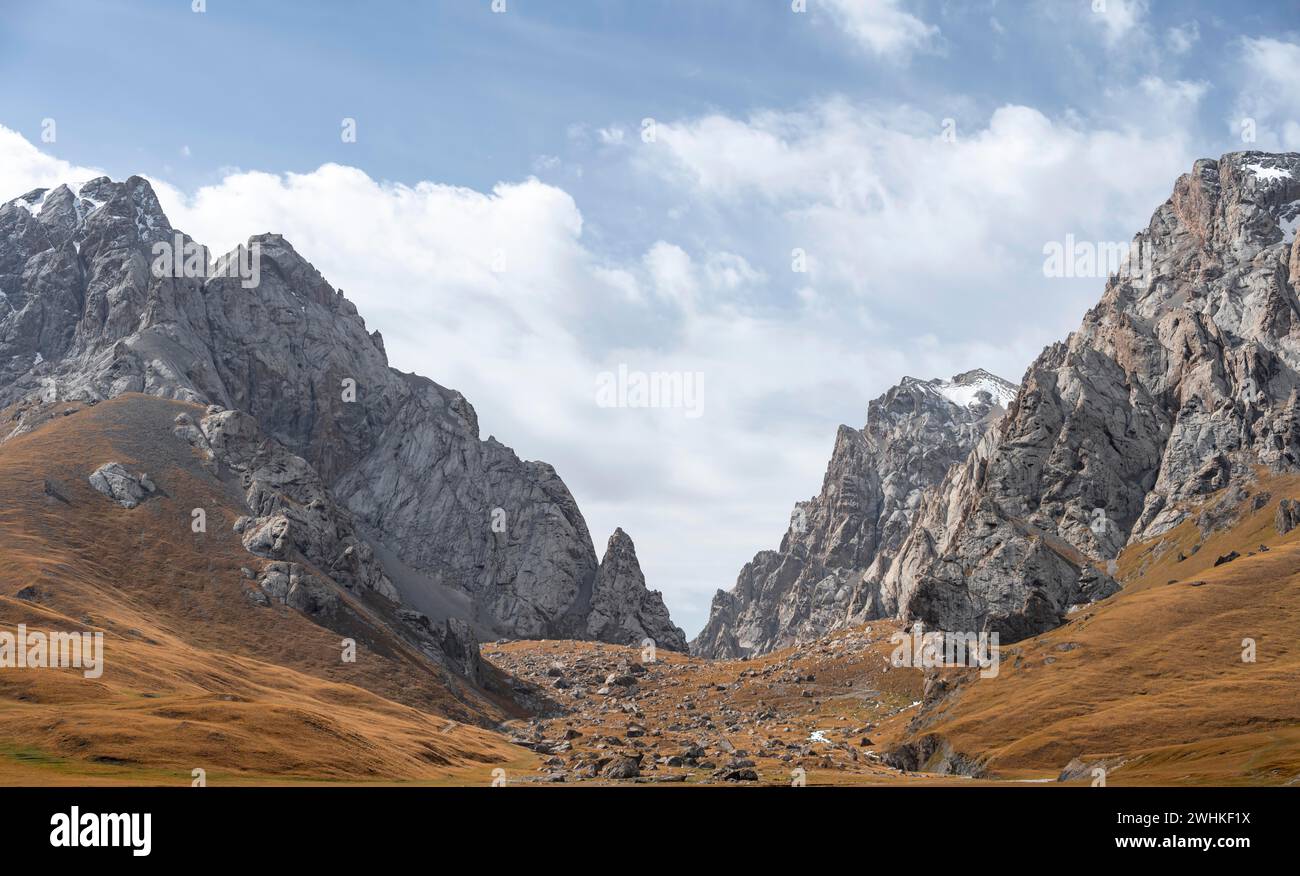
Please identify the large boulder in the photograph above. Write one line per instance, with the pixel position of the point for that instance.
(126, 489)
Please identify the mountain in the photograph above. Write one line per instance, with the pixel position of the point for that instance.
(1185, 676)
(392, 488)
(1180, 383)
(213, 656)
(870, 495)
(1156, 447)
(620, 584)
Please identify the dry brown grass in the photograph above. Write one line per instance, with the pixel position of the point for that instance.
(1152, 679)
(196, 676)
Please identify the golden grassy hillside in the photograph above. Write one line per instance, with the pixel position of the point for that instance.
(196, 675)
(1152, 681)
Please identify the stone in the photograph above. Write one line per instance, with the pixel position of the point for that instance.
(871, 492)
(1287, 516)
(402, 461)
(114, 481)
(623, 610)
(621, 768)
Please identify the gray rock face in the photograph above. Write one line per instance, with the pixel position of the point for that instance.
(1179, 382)
(292, 513)
(619, 584)
(873, 488)
(1287, 516)
(118, 484)
(453, 639)
(292, 585)
(100, 296)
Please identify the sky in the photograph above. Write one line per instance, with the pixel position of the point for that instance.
(783, 206)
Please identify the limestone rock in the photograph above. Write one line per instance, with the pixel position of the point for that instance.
(1178, 384)
(873, 487)
(89, 311)
(293, 585)
(291, 512)
(114, 481)
(623, 611)
(1287, 516)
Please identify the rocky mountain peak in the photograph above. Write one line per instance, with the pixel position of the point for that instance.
(1180, 382)
(974, 506)
(619, 582)
(96, 302)
(972, 395)
(872, 490)
(977, 387)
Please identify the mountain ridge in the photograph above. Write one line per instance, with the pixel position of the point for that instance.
(1177, 384)
(1182, 377)
(86, 314)
(810, 585)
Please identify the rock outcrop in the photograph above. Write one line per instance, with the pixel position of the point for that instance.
(619, 584)
(1287, 516)
(114, 481)
(292, 514)
(872, 490)
(100, 296)
(1179, 383)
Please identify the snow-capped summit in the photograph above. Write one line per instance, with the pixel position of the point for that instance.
(874, 483)
(965, 389)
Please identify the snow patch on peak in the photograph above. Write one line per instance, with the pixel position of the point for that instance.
(35, 205)
(34, 202)
(1269, 173)
(964, 390)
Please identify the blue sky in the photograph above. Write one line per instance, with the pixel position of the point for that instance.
(520, 133)
(446, 90)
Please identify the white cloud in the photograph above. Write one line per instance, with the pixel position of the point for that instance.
(23, 167)
(612, 136)
(1181, 39)
(882, 27)
(1119, 19)
(924, 258)
(900, 220)
(1269, 95)
(672, 274)
(731, 273)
